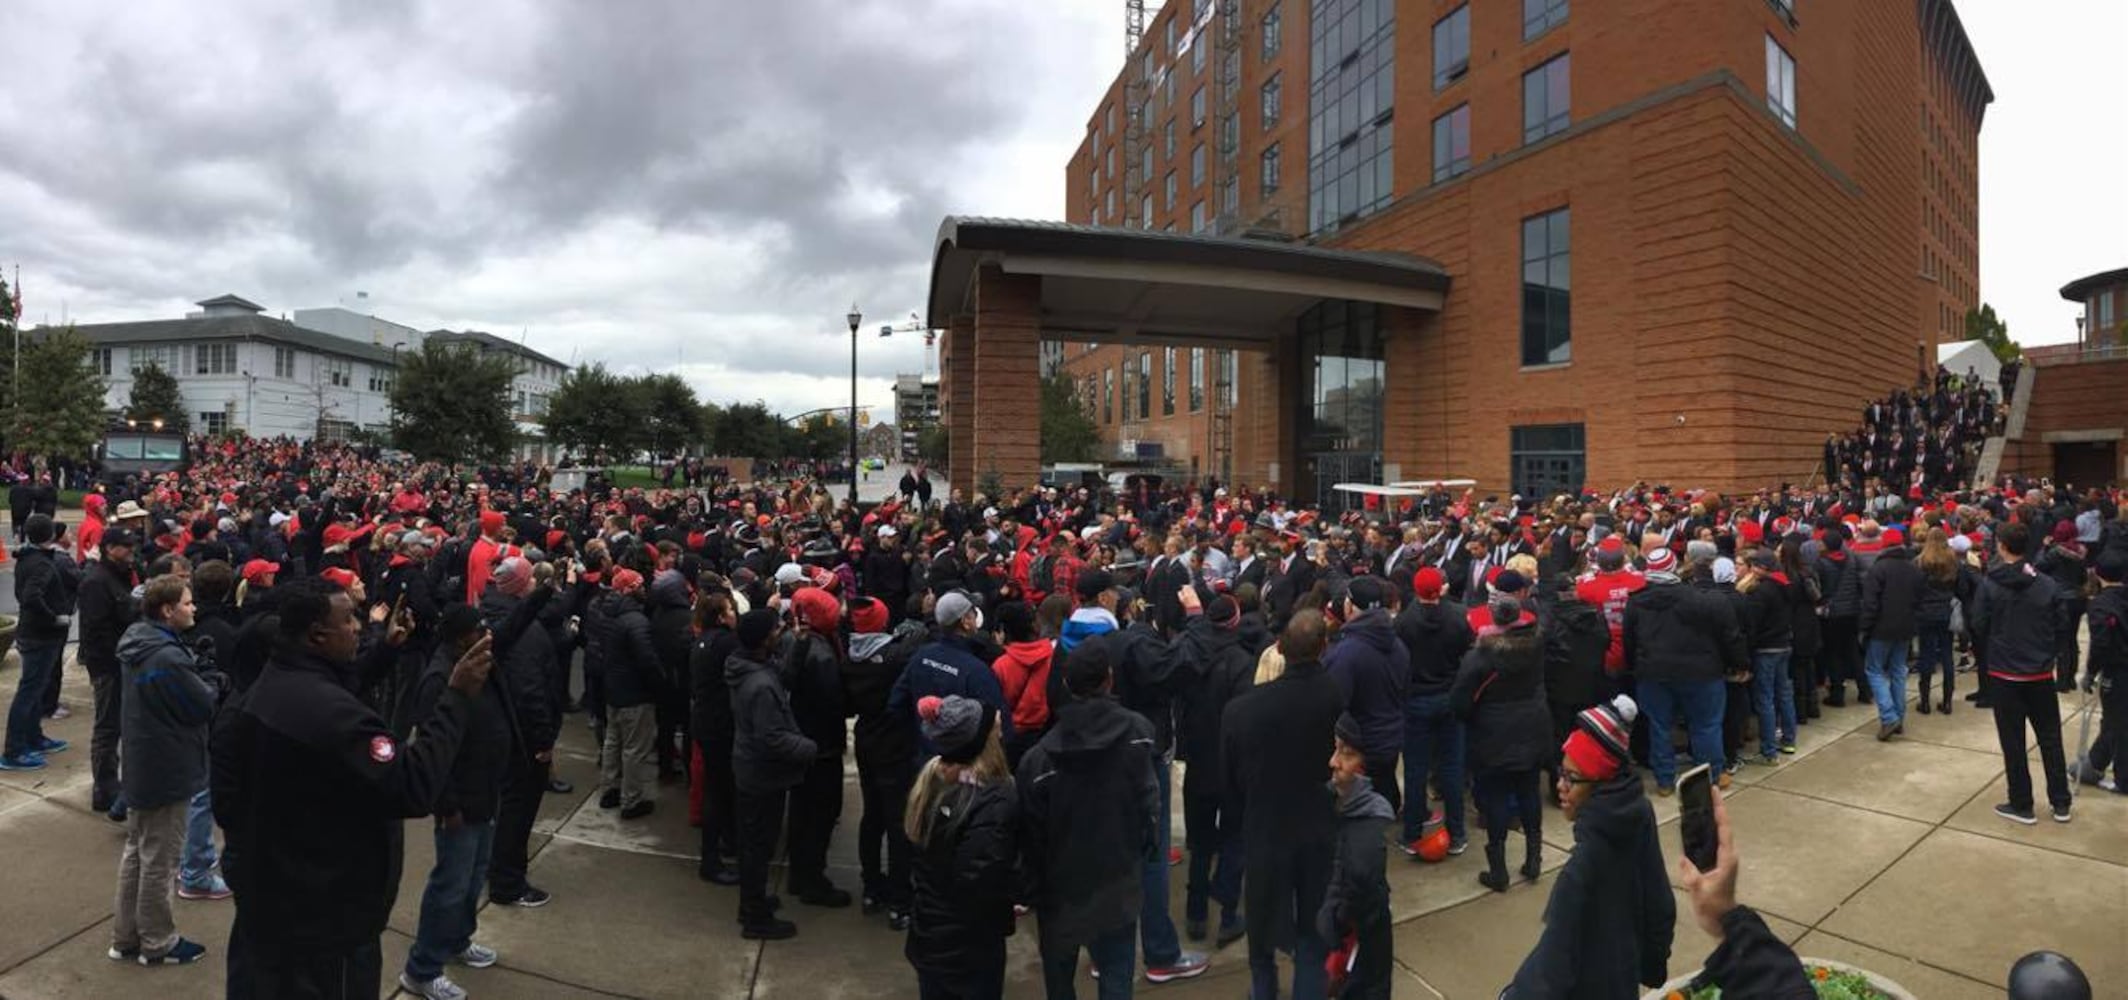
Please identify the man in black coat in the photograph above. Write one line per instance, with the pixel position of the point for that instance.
(1219, 671)
(524, 652)
(632, 681)
(45, 585)
(312, 790)
(1277, 740)
(1891, 606)
(2015, 614)
(770, 756)
(1436, 633)
(106, 607)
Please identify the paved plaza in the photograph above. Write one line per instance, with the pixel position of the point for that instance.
(1881, 855)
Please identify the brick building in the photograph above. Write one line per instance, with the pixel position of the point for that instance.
(2077, 416)
(1679, 239)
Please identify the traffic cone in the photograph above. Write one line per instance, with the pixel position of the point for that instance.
(3, 552)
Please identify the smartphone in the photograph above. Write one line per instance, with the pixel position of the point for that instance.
(1695, 825)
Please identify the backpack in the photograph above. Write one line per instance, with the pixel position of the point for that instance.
(1044, 573)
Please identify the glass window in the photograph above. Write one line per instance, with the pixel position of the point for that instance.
(1167, 140)
(100, 361)
(1197, 165)
(1145, 212)
(1197, 50)
(2105, 310)
(1545, 100)
(214, 422)
(1196, 379)
(1351, 91)
(1547, 333)
(1270, 100)
(1111, 165)
(1269, 179)
(284, 362)
(1451, 144)
(1108, 395)
(1109, 209)
(1145, 385)
(1341, 350)
(1540, 16)
(1167, 382)
(214, 359)
(1780, 82)
(1169, 202)
(1230, 196)
(1229, 136)
(1451, 47)
(1548, 459)
(1197, 107)
(1273, 33)
(1145, 164)
(1227, 365)
(1198, 222)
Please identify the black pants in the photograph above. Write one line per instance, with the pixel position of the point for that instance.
(815, 808)
(1842, 657)
(103, 738)
(301, 974)
(760, 823)
(2036, 702)
(988, 985)
(673, 735)
(1803, 674)
(1505, 795)
(720, 818)
(2110, 749)
(2066, 649)
(50, 703)
(885, 791)
(522, 791)
(1382, 771)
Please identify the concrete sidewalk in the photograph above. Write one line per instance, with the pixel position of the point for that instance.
(1881, 855)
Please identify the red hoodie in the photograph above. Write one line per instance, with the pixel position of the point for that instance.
(1024, 673)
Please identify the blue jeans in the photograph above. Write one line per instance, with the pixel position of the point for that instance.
(1309, 982)
(1885, 664)
(450, 903)
(1115, 956)
(1433, 742)
(1701, 702)
(1773, 699)
(1156, 927)
(198, 868)
(25, 715)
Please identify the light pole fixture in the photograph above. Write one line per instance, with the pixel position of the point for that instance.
(856, 318)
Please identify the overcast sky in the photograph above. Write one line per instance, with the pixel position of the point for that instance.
(704, 185)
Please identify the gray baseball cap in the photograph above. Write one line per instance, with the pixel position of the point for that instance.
(953, 607)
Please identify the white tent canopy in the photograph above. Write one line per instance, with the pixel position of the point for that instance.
(1959, 356)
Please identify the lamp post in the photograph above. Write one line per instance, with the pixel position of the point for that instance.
(855, 319)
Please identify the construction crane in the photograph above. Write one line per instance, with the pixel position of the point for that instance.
(913, 325)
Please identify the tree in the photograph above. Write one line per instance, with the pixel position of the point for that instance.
(1982, 325)
(594, 410)
(157, 397)
(749, 430)
(1068, 430)
(672, 418)
(824, 436)
(451, 403)
(10, 314)
(933, 445)
(60, 409)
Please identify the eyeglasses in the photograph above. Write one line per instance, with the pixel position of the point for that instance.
(1570, 779)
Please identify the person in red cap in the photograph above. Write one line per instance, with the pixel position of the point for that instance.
(488, 550)
(1437, 633)
(633, 682)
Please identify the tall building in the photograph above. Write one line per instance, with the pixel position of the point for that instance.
(915, 411)
(1677, 239)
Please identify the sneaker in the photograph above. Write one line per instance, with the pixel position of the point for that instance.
(533, 898)
(721, 874)
(117, 954)
(769, 930)
(1174, 856)
(1187, 965)
(182, 953)
(2107, 784)
(62, 712)
(1765, 760)
(214, 888)
(556, 786)
(872, 905)
(897, 920)
(1410, 848)
(439, 988)
(51, 746)
(826, 896)
(1457, 845)
(639, 810)
(1788, 748)
(117, 812)
(610, 799)
(1723, 781)
(28, 760)
(2016, 815)
(1230, 930)
(476, 956)
(2061, 814)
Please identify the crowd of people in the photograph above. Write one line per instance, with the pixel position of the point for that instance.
(301, 646)
(1926, 438)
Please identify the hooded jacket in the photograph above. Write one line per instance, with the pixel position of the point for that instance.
(165, 715)
(886, 742)
(1219, 670)
(105, 602)
(769, 753)
(1374, 671)
(1768, 624)
(672, 628)
(45, 586)
(1499, 695)
(632, 671)
(2108, 616)
(2014, 615)
(947, 665)
(812, 671)
(1085, 623)
(1611, 919)
(1577, 644)
(1023, 672)
(1676, 632)
(962, 882)
(1891, 597)
(524, 654)
(1089, 803)
(1357, 900)
(1435, 636)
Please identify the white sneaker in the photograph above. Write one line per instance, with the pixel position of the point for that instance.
(477, 956)
(439, 988)
(2107, 784)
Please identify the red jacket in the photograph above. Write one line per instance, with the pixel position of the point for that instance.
(1023, 671)
(1608, 592)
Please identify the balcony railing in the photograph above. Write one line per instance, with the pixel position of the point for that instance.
(2075, 354)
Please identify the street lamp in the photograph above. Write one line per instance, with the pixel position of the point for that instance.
(855, 319)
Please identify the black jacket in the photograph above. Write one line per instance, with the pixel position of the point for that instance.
(1936, 597)
(1374, 671)
(1834, 569)
(1357, 900)
(312, 792)
(2014, 615)
(1752, 962)
(167, 708)
(105, 602)
(1499, 695)
(1768, 622)
(2066, 564)
(1803, 627)
(218, 624)
(1278, 737)
(1611, 918)
(488, 743)
(1220, 670)
(1090, 807)
(962, 882)
(524, 654)
(711, 718)
(2108, 615)
(812, 670)
(632, 672)
(1435, 636)
(1891, 597)
(45, 587)
(1679, 632)
(1576, 639)
(1148, 680)
(769, 754)
(672, 630)
(886, 740)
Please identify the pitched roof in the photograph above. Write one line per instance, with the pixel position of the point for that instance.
(237, 327)
(489, 341)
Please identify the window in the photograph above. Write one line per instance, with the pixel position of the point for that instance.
(214, 422)
(1780, 82)
(1145, 385)
(1197, 165)
(1351, 98)
(1198, 50)
(1451, 47)
(1786, 7)
(1230, 196)
(337, 372)
(1269, 180)
(1228, 361)
(1547, 336)
(1197, 108)
(1111, 163)
(1270, 101)
(1196, 379)
(214, 359)
(1547, 459)
(381, 379)
(1229, 136)
(1110, 207)
(2105, 311)
(1544, 100)
(1108, 121)
(1167, 141)
(1451, 144)
(1167, 382)
(1169, 201)
(100, 361)
(1171, 36)
(1540, 16)
(163, 356)
(284, 362)
(1145, 212)
(1198, 221)
(1108, 395)
(1145, 164)
(1273, 33)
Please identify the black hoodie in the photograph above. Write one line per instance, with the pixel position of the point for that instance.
(1436, 636)
(2014, 615)
(1089, 803)
(1611, 919)
(769, 754)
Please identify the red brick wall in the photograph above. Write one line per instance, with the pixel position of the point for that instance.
(2072, 397)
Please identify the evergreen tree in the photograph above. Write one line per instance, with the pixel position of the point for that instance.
(1982, 325)
(1068, 430)
(595, 411)
(156, 397)
(451, 403)
(59, 412)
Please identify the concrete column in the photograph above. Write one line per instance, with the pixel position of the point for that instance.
(956, 400)
(1007, 377)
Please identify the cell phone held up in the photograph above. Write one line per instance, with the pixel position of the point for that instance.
(1695, 825)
